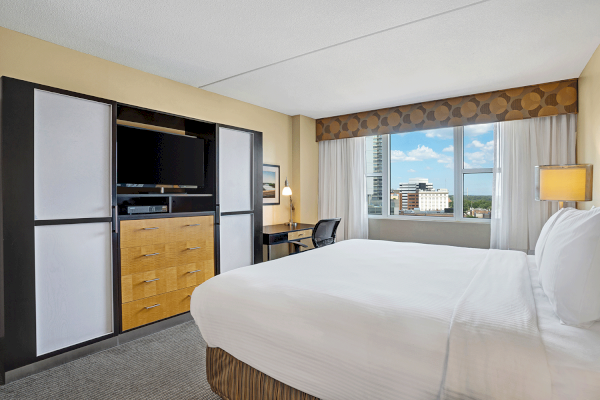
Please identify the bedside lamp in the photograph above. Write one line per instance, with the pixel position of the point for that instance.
(287, 191)
(563, 183)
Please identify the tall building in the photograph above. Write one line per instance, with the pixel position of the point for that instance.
(378, 166)
(375, 199)
(377, 154)
(419, 194)
(409, 192)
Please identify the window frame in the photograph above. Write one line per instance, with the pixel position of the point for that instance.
(459, 172)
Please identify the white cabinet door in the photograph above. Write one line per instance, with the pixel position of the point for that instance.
(72, 157)
(73, 284)
(72, 180)
(235, 170)
(235, 195)
(237, 237)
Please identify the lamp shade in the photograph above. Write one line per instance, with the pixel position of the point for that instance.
(287, 191)
(563, 182)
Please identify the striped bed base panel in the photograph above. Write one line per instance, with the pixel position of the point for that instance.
(232, 379)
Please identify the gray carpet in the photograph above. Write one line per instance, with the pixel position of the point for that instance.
(167, 365)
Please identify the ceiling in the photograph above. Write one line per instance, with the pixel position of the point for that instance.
(323, 58)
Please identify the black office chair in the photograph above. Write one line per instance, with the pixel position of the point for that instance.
(323, 234)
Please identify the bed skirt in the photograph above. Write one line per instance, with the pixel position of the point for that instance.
(232, 379)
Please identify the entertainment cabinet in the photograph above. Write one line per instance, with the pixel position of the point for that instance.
(78, 274)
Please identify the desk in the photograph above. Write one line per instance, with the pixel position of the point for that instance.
(280, 234)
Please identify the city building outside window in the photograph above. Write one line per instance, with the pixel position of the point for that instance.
(374, 175)
(423, 172)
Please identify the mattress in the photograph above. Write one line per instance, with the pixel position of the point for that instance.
(375, 319)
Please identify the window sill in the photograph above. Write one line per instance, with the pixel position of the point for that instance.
(434, 219)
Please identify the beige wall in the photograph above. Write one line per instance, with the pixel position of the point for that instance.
(463, 234)
(303, 180)
(305, 169)
(27, 58)
(588, 124)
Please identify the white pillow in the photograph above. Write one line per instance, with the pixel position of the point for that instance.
(541, 242)
(570, 267)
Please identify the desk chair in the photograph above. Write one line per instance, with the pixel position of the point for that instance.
(323, 234)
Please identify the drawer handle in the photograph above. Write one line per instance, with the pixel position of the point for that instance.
(152, 280)
(191, 272)
(194, 248)
(194, 225)
(149, 229)
(151, 254)
(156, 305)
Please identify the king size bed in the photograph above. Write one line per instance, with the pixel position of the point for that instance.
(365, 319)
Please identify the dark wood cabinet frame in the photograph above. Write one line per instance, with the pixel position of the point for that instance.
(17, 222)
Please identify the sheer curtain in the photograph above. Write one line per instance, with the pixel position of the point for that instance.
(517, 218)
(342, 187)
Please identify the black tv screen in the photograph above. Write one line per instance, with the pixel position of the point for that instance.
(148, 158)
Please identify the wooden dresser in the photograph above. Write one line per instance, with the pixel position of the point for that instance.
(162, 261)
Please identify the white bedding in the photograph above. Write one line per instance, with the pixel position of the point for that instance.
(383, 320)
(573, 353)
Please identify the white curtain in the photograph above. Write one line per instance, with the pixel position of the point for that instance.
(517, 218)
(342, 188)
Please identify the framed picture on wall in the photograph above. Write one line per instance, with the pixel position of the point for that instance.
(271, 185)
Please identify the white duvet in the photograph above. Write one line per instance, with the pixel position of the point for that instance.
(383, 320)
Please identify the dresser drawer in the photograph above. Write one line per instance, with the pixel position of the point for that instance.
(194, 274)
(143, 232)
(147, 284)
(189, 251)
(190, 228)
(300, 234)
(179, 301)
(155, 308)
(145, 311)
(135, 260)
(143, 258)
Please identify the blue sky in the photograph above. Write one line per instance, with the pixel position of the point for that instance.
(430, 154)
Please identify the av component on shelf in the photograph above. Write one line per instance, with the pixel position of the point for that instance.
(146, 209)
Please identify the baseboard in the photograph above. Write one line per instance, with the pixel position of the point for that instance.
(59, 359)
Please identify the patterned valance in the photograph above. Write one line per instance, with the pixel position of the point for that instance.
(543, 100)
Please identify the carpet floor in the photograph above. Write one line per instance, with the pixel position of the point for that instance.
(166, 365)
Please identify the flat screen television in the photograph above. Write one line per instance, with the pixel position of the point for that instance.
(147, 158)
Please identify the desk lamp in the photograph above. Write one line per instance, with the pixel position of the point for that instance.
(287, 191)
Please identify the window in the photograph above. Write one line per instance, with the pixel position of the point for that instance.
(422, 173)
(442, 173)
(477, 169)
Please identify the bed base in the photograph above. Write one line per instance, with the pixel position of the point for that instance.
(233, 379)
